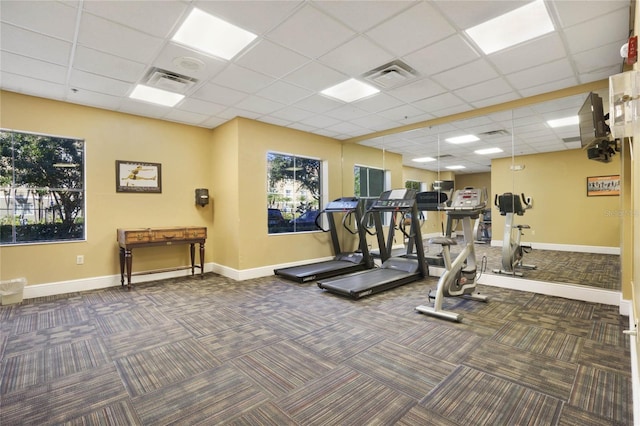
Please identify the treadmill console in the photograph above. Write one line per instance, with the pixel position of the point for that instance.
(399, 199)
(470, 200)
(342, 204)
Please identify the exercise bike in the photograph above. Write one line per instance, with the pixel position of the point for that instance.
(513, 251)
(459, 277)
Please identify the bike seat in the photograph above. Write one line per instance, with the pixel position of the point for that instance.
(443, 241)
(523, 226)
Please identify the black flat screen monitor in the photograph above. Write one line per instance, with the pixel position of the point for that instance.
(592, 121)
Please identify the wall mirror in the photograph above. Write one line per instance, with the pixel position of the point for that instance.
(507, 136)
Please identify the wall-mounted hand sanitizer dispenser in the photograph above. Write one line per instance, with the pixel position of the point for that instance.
(202, 197)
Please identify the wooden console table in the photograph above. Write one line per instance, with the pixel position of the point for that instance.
(129, 239)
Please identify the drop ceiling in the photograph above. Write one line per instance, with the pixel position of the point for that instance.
(95, 52)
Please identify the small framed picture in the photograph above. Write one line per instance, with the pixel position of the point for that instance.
(138, 176)
(603, 185)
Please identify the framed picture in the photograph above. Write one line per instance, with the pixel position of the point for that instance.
(137, 176)
(603, 185)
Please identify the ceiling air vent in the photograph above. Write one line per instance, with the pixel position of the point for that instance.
(490, 133)
(167, 80)
(391, 75)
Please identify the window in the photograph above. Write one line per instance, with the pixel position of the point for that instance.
(42, 188)
(294, 193)
(413, 184)
(368, 184)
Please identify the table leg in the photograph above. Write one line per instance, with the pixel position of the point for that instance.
(192, 251)
(128, 256)
(121, 267)
(201, 260)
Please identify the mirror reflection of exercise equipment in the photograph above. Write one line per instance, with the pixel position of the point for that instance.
(460, 275)
(509, 206)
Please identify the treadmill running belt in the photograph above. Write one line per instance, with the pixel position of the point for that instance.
(313, 271)
(364, 283)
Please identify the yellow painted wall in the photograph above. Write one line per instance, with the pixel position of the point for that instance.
(562, 213)
(256, 247)
(183, 151)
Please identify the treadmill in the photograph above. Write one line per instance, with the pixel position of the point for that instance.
(395, 270)
(343, 262)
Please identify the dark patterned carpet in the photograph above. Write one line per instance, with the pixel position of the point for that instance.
(271, 352)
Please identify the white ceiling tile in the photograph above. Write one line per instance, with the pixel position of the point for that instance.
(362, 15)
(495, 100)
(421, 89)
(22, 84)
(33, 68)
(284, 92)
(52, 18)
(422, 21)
(591, 34)
(593, 60)
(201, 107)
(446, 54)
(242, 79)
(310, 31)
(34, 45)
(187, 117)
(315, 76)
(317, 121)
(376, 103)
(105, 36)
(466, 75)
(535, 76)
(375, 122)
(255, 16)
(269, 58)
(145, 109)
(218, 94)
(483, 90)
(259, 105)
(98, 100)
(356, 57)
(438, 102)
(278, 122)
(100, 84)
(530, 54)
(157, 18)
(101, 63)
(318, 104)
(291, 113)
(347, 112)
(576, 11)
(401, 113)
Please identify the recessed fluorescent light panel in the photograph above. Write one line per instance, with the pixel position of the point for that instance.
(350, 90)
(212, 35)
(488, 151)
(462, 139)
(424, 159)
(561, 122)
(455, 167)
(156, 96)
(519, 25)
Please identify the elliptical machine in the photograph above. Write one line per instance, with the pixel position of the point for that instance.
(459, 277)
(510, 205)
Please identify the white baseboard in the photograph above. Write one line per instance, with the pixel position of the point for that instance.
(96, 283)
(565, 247)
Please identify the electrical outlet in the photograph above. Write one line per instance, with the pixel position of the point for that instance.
(80, 260)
